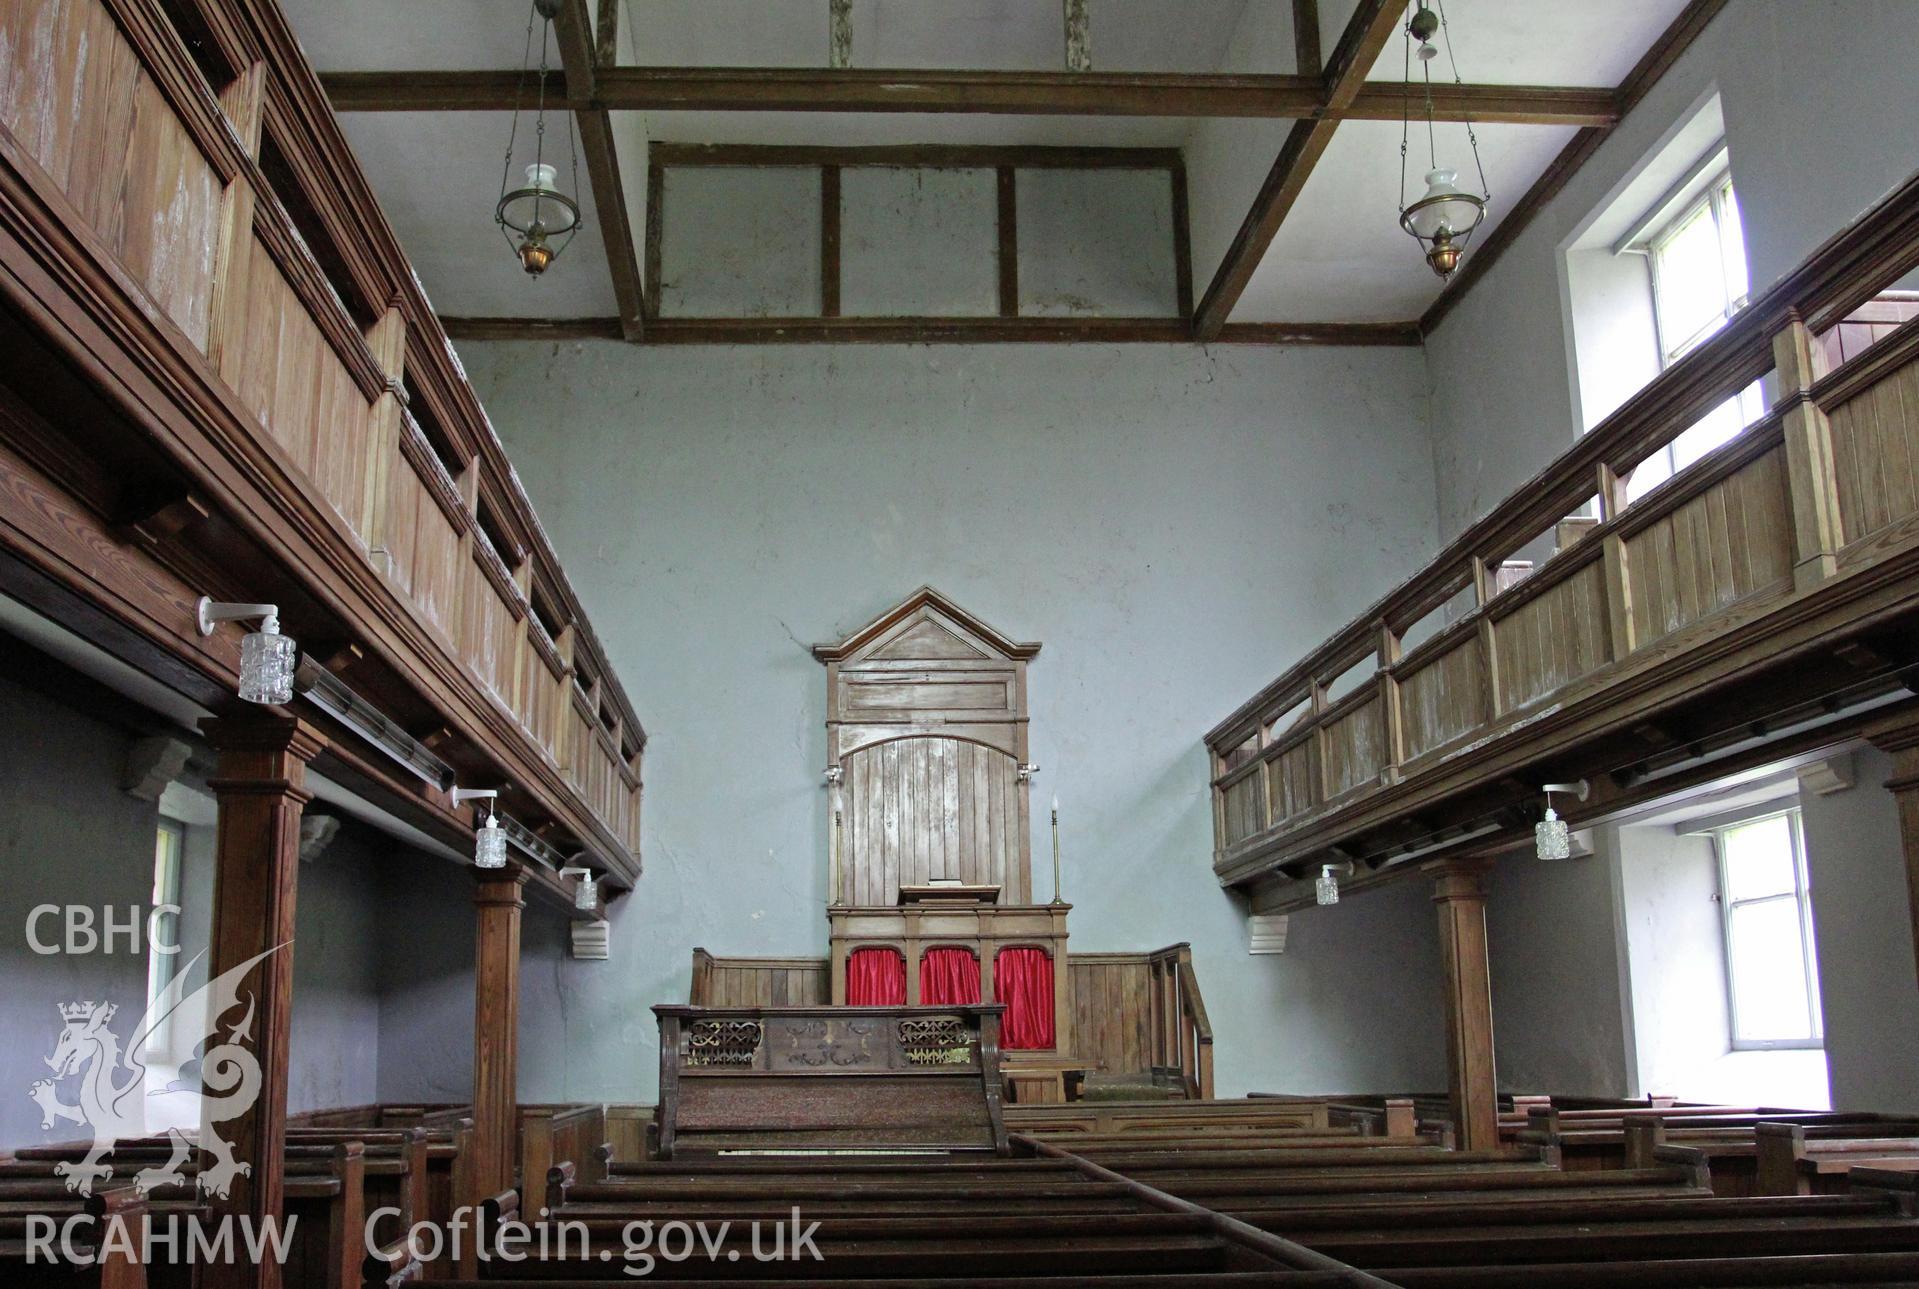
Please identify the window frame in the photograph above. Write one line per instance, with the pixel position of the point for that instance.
(1801, 894)
(169, 865)
(1713, 200)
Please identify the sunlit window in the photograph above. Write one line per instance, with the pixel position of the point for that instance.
(1698, 264)
(1771, 967)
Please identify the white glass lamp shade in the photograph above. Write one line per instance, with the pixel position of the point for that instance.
(267, 659)
(1326, 889)
(489, 845)
(1444, 210)
(586, 888)
(1553, 837)
(539, 206)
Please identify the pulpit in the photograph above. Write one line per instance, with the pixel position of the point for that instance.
(930, 886)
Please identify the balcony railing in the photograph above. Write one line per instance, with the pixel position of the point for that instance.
(1573, 611)
(180, 158)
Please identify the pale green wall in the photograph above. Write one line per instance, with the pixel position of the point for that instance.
(1175, 524)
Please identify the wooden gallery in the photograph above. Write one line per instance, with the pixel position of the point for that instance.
(1008, 643)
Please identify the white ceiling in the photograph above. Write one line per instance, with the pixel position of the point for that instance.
(1339, 257)
(438, 178)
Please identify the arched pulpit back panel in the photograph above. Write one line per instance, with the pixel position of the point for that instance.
(926, 723)
(923, 809)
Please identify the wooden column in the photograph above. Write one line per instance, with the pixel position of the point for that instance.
(1459, 889)
(1903, 745)
(261, 790)
(499, 894)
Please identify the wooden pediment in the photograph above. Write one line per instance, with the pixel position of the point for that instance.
(926, 627)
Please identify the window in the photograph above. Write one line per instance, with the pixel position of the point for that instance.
(1771, 969)
(164, 928)
(1698, 265)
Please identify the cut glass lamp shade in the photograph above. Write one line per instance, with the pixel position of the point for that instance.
(1553, 837)
(1326, 889)
(267, 659)
(489, 845)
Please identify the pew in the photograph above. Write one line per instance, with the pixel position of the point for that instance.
(1789, 1162)
(110, 1264)
(325, 1190)
(1163, 1203)
(891, 1219)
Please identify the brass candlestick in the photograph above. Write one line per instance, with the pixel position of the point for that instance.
(1056, 898)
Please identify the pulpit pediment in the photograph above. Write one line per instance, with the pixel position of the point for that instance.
(926, 627)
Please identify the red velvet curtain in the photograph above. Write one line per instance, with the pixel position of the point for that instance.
(1023, 980)
(875, 977)
(948, 976)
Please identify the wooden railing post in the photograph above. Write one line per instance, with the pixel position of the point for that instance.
(1321, 769)
(1817, 530)
(1391, 717)
(387, 339)
(1459, 890)
(1612, 503)
(1484, 589)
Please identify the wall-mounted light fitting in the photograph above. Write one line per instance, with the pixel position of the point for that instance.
(489, 840)
(267, 658)
(1552, 838)
(1326, 886)
(586, 895)
(1026, 773)
(834, 773)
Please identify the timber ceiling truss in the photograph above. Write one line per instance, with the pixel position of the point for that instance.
(594, 85)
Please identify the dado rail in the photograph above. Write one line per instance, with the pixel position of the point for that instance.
(1757, 605)
(221, 377)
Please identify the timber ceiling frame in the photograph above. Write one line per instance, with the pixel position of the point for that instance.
(582, 57)
(594, 86)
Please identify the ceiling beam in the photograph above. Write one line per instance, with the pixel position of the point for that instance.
(750, 89)
(1306, 56)
(581, 61)
(1366, 34)
(971, 330)
(1673, 42)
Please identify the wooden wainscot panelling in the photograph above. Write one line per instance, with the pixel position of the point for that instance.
(77, 99)
(1289, 779)
(1874, 459)
(1245, 803)
(1355, 744)
(1112, 1010)
(1731, 539)
(759, 982)
(1556, 634)
(1441, 694)
(493, 633)
(543, 687)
